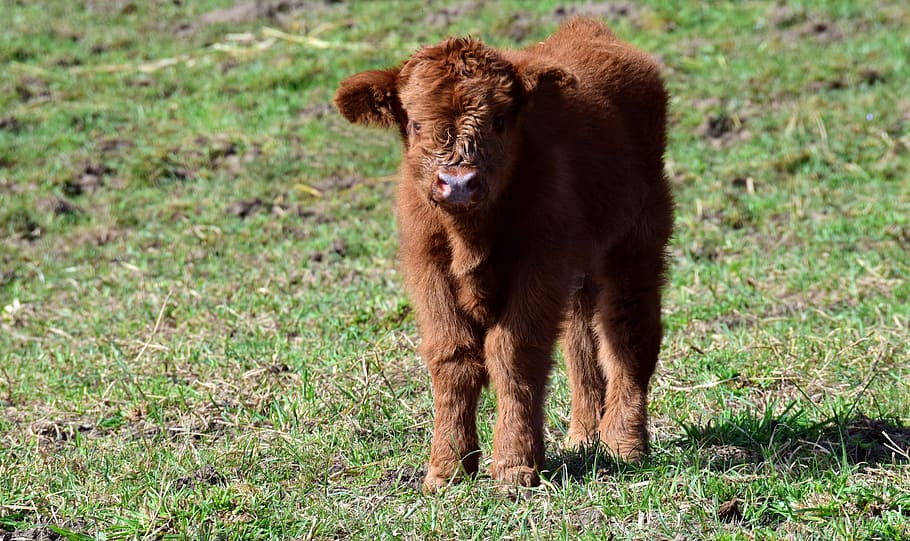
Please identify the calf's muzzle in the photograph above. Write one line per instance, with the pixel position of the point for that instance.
(456, 185)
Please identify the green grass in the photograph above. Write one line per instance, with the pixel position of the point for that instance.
(203, 333)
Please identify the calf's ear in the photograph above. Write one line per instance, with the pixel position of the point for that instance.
(370, 97)
(534, 77)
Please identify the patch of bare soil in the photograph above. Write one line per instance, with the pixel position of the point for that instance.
(247, 11)
(872, 77)
(723, 129)
(282, 12)
(338, 250)
(219, 152)
(30, 88)
(112, 145)
(730, 510)
(67, 61)
(794, 25)
(338, 183)
(96, 237)
(587, 518)
(57, 205)
(244, 208)
(206, 475)
(835, 83)
(42, 528)
(724, 457)
(22, 225)
(52, 434)
(10, 124)
(446, 16)
(41, 533)
(821, 31)
(87, 179)
(316, 111)
(604, 10)
(520, 25)
(406, 477)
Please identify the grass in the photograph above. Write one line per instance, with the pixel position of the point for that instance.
(203, 333)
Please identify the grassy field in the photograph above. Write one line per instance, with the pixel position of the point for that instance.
(203, 333)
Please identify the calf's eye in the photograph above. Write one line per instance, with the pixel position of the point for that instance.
(413, 127)
(499, 122)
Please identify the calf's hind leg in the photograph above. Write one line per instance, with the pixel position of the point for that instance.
(585, 378)
(630, 332)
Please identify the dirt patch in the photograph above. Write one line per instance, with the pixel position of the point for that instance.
(872, 77)
(724, 457)
(10, 124)
(21, 224)
(57, 205)
(836, 83)
(51, 433)
(97, 237)
(30, 88)
(22, 526)
(821, 31)
(225, 154)
(520, 25)
(407, 477)
(338, 183)
(316, 111)
(240, 12)
(730, 511)
(794, 25)
(112, 145)
(206, 475)
(723, 129)
(245, 208)
(588, 518)
(447, 16)
(41, 533)
(338, 250)
(67, 61)
(784, 16)
(604, 10)
(203, 153)
(87, 180)
(280, 11)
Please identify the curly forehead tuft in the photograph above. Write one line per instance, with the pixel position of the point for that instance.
(459, 58)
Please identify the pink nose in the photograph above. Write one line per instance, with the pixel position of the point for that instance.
(456, 184)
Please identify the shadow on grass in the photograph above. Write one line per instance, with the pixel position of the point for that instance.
(785, 440)
(791, 438)
(575, 465)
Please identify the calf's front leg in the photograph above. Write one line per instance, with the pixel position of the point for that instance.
(518, 371)
(518, 351)
(452, 351)
(458, 374)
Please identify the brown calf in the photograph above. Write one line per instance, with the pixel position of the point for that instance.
(531, 201)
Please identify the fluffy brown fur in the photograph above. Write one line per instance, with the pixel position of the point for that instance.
(531, 202)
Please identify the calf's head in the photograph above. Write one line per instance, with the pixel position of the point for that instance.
(457, 107)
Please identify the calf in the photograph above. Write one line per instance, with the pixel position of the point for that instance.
(531, 201)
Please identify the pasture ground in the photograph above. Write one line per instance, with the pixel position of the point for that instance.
(203, 333)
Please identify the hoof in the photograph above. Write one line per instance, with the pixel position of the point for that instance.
(433, 484)
(438, 478)
(631, 450)
(516, 476)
